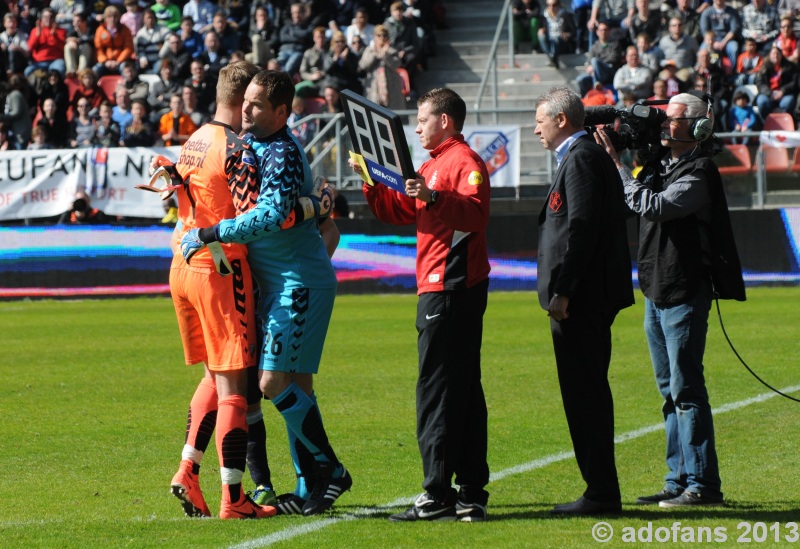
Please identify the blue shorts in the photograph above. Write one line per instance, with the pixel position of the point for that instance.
(295, 323)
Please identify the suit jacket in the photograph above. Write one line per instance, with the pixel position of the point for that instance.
(583, 241)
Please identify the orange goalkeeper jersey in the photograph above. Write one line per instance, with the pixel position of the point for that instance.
(220, 176)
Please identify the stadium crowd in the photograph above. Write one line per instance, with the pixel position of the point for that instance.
(111, 73)
(745, 54)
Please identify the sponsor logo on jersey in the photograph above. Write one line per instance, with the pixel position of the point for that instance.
(475, 178)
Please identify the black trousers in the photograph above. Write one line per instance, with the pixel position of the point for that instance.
(451, 409)
(582, 345)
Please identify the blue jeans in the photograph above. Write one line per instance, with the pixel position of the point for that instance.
(676, 336)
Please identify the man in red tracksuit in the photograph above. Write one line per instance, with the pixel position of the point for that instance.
(449, 202)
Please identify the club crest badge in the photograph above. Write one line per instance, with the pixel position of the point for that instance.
(555, 201)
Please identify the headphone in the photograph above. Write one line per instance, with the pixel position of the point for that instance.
(703, 126)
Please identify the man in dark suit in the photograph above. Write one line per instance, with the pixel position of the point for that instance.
(584, 280)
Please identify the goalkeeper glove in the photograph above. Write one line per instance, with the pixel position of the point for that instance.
(191, 244)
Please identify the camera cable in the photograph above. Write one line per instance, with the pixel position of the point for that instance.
(755, 375)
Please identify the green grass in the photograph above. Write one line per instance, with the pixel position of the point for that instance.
(94, 395)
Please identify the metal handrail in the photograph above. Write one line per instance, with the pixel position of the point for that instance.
(332, 140)
(491, 67)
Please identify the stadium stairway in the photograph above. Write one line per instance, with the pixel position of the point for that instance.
(460, 60)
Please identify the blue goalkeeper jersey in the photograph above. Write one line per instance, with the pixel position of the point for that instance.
(281, 259)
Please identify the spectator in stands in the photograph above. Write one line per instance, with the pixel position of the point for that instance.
(305, 131)
(192, 40)
(82, 213)
(262, 33)
(121, 113)
(168, 14)
(227, 36)
(777, 84)
(557, 36)
(644, 21)
(605, 57)
(294, 38)
(16, 111)
(79, 50)
(178, 56)
(137, 88)
(162, 91)
(202, 14)
(198, 113)
(633, 77)
(761, 23)
(213, 57)
(54, 124)
(46, 45)
(659, 94)
(742, 117)
(204, 84)
(610, 12)
(650, 55)
(317, 13)
(64, 11)
(237, 13)
(176, 126)
(679, 47)
(690, 19)
(333, 103)
(96, 10)
(113, 43)
(726, 24)
(341, 15)
(148, 42)
(379, 64)
(527, 20)
(38, 139)
(787, 40)
(132, 18)
(13, 45)
(340, 65)
(54, 88)
(404, 38)
(88, 89)
(669, 74)
(581, 10)
(749, 63)
(107, 132)
(357, 47)
(82, 128)
(139, 133)
(360, 27)
(715, 84)
(311, 66)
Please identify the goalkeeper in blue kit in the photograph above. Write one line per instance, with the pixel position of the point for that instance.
(297, 286)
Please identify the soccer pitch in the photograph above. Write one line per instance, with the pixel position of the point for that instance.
(94, 396)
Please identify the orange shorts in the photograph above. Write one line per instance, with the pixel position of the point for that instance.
(216, 315)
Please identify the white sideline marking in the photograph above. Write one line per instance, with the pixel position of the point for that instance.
(305, 528)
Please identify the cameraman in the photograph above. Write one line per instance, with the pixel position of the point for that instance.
(687, 256)
(82, 212)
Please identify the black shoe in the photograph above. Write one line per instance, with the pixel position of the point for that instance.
(326, 491)
(290, 504)
(690, 499)
(426, 508)
(470, 512)
(656, 498)
(585, 506)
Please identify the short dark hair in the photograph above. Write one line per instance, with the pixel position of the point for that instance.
(446, 101)
(279, 87)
